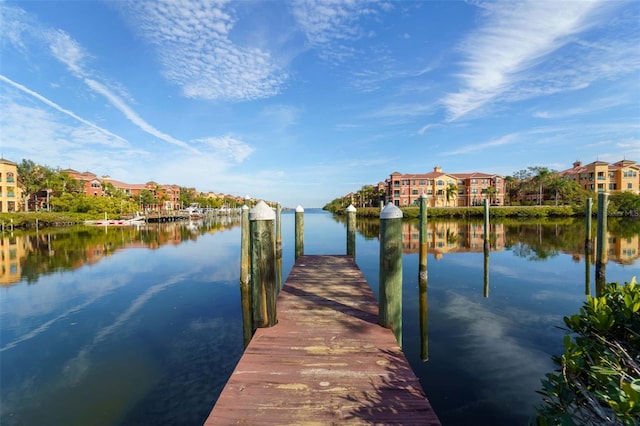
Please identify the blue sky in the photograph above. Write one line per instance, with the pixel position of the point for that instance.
(302, 102)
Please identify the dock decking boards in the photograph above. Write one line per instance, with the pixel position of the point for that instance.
(327, 361)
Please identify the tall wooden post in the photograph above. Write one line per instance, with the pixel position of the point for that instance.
(601, 243)
(263, 265)
(422, 264)
(245, 283)
(390, 292)
(299, 232)
(351, 231)
(486, 245)
(587, 233)
(486, 221)
(279, 246)
(423, 303)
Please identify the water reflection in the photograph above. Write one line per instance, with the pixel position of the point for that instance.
(533, 240)
(29, 255)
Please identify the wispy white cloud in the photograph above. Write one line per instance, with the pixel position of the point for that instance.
(515, 37)
(111, 136)
(331, 25)
(228, 146)
(192, 41)
(504, 140)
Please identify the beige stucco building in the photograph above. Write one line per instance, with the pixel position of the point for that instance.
(10, 192)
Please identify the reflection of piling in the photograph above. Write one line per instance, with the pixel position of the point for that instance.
(351, 231)
(422, 281)
(424, 319)
(587, 274)
(390, 292)
(486, 269)
(263, 267)
(299, 232)
(245, 288)
(279, 247)
(601, 243)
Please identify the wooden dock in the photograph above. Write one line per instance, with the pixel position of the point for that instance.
(327, 361)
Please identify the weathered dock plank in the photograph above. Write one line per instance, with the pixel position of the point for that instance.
(327, 361)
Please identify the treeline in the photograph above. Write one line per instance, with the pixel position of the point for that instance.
(59, 192)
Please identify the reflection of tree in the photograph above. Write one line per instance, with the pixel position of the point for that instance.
(63, 249)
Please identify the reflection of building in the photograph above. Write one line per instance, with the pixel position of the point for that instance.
(10, 192)
(452, 237)
(445, 189)
(624, 250)
(13, 250)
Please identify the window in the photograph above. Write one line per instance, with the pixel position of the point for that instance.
(423, 182)
(429, 192)
(396, 184)
(440, 192)
(414, 192)
(629, 185)
(440, 182)
(10, 177)
(396, 193)
(460, 182)
(613, 187)
(474, 181)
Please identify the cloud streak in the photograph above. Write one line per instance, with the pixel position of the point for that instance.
(516, 36)
(59, 108)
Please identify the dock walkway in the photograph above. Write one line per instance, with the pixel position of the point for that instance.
(327, 361)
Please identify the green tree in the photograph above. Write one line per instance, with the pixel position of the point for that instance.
(31, 178)
(451, 192)
(491, 192)
(541, 178)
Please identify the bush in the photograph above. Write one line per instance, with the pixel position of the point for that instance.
(598, 381)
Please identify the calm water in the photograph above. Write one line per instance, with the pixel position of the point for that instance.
(126, 326)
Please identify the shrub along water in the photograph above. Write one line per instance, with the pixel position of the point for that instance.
(598, 379)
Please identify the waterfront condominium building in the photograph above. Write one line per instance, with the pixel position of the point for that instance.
(601, 176)
(445, 189)
(10, 192)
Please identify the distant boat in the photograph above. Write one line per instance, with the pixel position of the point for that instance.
(137, 220)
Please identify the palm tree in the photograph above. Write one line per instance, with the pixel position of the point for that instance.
(542, 175)
(451, 192)
(491, 191)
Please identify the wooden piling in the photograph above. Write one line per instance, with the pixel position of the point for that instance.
(279, 246)
(263, 266)
(486, 269)
(390, 291)
(485, 203)
(299, 232)
(422, 263)
(351, 230)
(601, 242)
(245, 284)
(587, 233)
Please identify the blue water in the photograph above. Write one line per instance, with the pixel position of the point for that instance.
(149, 335)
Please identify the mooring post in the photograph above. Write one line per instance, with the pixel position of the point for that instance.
(245, 284)
(351, 231)
(485, 203)
(263, 265)
(601, 242)
(390, 291)
(587, 234)
(279, 246)
(299, 232)
(422, 264)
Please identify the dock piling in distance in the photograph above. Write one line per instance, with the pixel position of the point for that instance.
(299, 232)
(263, 266)
(390, 292)
(351, 230)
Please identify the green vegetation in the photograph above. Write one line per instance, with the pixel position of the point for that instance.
(598, 379)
